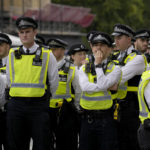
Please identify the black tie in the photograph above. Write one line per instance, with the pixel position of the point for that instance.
(28, 51)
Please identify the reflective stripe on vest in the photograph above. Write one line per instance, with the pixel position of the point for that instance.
(97, 100)
(64, 89)
(144, 110)
(28, 80)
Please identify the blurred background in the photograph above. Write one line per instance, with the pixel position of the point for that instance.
(71, 20)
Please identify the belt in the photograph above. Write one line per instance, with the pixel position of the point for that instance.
(97, 113)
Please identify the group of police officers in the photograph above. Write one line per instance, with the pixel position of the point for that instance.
(84, 100)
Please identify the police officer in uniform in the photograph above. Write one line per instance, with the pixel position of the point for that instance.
(78, 54)
(5, 44)
(141, 40)
(62, 103)
(144, 115)
(32, 75)
(132, 65)
(96, 79)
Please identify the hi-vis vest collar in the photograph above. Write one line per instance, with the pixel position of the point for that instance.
(28, 73)
(144, 108)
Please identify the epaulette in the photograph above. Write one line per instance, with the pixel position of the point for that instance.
(136, 51)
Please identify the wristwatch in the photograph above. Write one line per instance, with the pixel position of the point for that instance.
(98, 66)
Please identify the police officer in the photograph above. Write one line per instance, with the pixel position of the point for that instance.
(31, 74)
(62, 103)
(5, 44)
(144, 115)
(141, 40)
(78, 54)
(96, 80)
(132, 65)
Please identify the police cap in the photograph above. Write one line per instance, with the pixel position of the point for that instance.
(142, 34)
(90, 34)
(57, 43)
(77, 48)
(5, 39)
(26, 22)
(121, 29)
(39, 40)
(102, 37)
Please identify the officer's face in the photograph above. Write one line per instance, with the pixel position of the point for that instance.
(79, 57)
(122, 42)
(27, 36)
(4, 49)
(58, 53)
(141, 44)
(103, 48)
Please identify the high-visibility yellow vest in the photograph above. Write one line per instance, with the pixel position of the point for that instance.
(123, 89)
(97, 100)
(143, 106)
(28, 80)
(64, 88)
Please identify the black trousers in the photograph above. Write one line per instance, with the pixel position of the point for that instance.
(129, 123)
(26, 120)
(98, 132)
(65, 127)
(3, 142)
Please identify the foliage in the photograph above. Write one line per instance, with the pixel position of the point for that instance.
(135, 13)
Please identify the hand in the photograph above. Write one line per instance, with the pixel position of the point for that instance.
(84, 62)
(114, 87)
(99, 57)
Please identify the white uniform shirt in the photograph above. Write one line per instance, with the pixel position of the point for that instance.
(132, 68)
(3, 83)
(103, 81)
(52, 69)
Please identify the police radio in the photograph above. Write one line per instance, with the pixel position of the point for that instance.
(37, 61)
(90, 67)
(67, 64)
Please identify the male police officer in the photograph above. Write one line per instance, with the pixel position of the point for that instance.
(141, 40)
(62, 102)
(144, 105)
(97, 126)
(5, 44)
(30, 69)
(132, 65)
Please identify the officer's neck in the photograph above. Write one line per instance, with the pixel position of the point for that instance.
(28, 45)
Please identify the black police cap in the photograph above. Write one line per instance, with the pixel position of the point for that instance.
(26, 22)
(121, 29)
(143, 33)
(56, 43)
(90, 34)
(5, 39)
(102, 37)
(39, 40)
(77, 48)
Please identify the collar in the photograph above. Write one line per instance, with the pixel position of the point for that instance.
(129, 50)
(60, 63)
(4, 60)
(32, 48)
